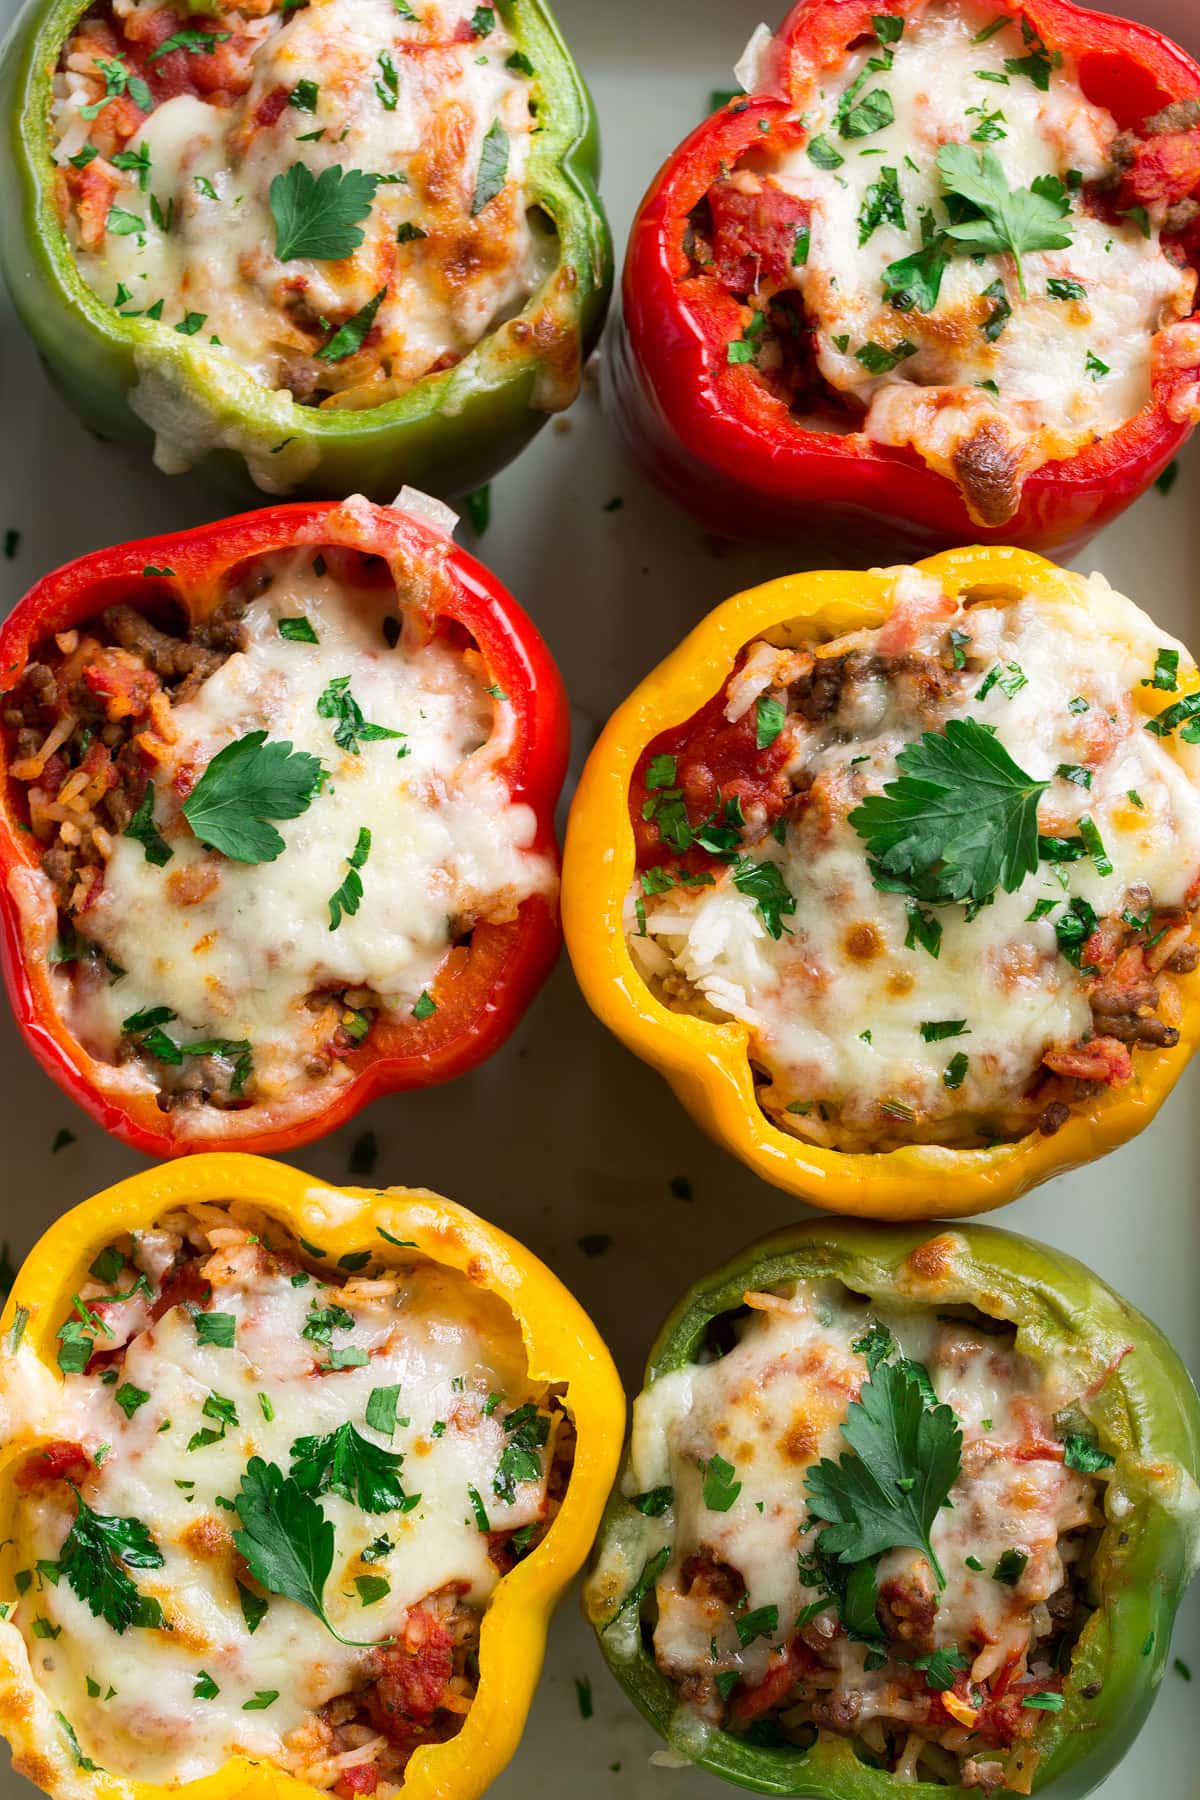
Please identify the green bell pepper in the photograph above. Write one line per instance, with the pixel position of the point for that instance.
(1136, 1398)
(138, 380)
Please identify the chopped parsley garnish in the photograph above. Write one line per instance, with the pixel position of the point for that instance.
(247, 784)
(350, 337)
(527, 1430)
(654, 1502)
(1000, 314)
(764, 884)
(1185, 713)
(204, 1687)
(344, 903)
(941, 1666)
(218, 1407)
(483, 22)
(135, 162)
(1095, 368)
(1079, 1452)
(882, 204)
(346, 1463)
(720, 1488)
(888, 1494)
(482, 1522)
(1048, 1702)
(1006, 220)
(263, 1698)
(118, 81)
(425, 1006)
(129, 1398)
(924, 930)
(1073, 927)
(1010, 1567)
(216, 1328)
(824, 154)
(99, 1551)
(381, 1409)
(759, 1623)
(955, 1072)
(881, 359)
(1058, 289)
(493, 167)
(142, 830)
(933, 1030)
(196, 43)
(408, 233)
(298, 631)
(960, 820)
(317, 216)
(1166, 672)
(991, 126)
(770, 715)
(372, 1588)
(351, 731)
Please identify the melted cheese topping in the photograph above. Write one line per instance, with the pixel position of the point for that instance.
(773, 1407)
(408, 101)
(237, 949)
(1067, 370)
(835, 1004)
(448, 1346)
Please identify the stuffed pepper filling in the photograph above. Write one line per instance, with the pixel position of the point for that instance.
(269, 838)
(330, 196)
(936, 1630)
(274, 1503)
(945, 872)
(954, 250)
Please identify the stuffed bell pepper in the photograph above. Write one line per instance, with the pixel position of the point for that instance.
(896, 877)
(289, 1478)
(933, 276)
(320, 248)
(901, 1515)
(277, 829)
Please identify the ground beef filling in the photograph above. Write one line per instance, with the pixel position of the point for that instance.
(1127, 963)
(72, 725)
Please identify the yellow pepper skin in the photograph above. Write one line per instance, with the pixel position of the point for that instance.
(707, 1063)
(561, 1344)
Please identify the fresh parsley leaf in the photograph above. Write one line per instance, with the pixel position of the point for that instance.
(99, 1550)
(1008, 220)
(142, 830)
(372, 1588)
(351, 336)
(888, 1494)
(1073, 927)
(248, 783)
(881, 359)
(923, 930)
(876, 1344)
(874, 112)
(346, 1463)
(915, 282)
(317, 216)
(961, 819)
(493, 167)
(285, 1538)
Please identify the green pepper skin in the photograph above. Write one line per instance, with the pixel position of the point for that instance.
(449, 434)
(1142, 1407)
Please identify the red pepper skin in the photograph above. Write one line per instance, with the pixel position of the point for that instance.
(478, 1007)
(723, 447)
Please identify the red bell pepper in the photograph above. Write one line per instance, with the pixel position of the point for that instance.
(480, 992)
(720, 443)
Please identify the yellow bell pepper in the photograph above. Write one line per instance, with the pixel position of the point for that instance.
(706, 1062)
(562, 1347)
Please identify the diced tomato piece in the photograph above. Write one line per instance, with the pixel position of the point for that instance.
(1102, 1059)
(1165, 170)
(92, 190)
(124, 684)
(778, 1681)
(59, 1460)
(411, 1676)
(270, 106)
(186, 1286)
(363, 1778)
(754, 234)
